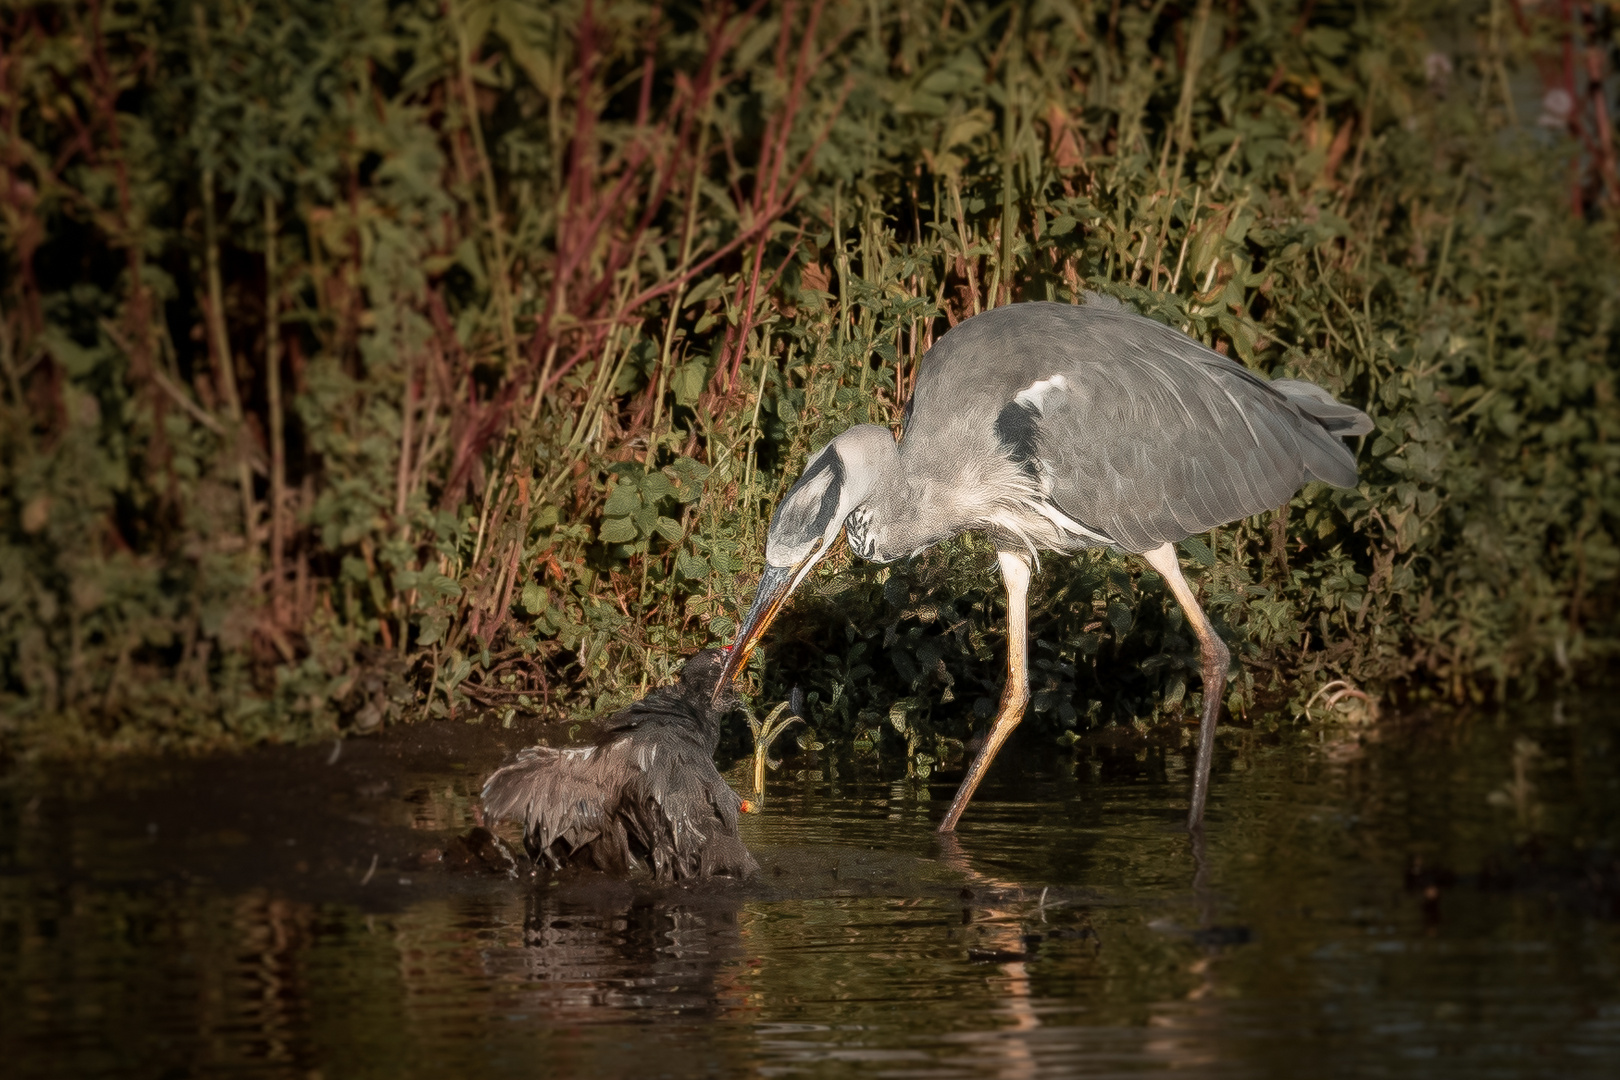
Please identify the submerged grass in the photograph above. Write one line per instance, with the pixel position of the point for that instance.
(394, 360)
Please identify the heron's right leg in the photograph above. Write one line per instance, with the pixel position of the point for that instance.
(1216, 658)
(1015, 572)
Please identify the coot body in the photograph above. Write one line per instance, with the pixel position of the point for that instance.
(644, 791)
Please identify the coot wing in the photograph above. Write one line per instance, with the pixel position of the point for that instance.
(561, 798)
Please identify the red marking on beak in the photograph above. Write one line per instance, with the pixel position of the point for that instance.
(748, 807)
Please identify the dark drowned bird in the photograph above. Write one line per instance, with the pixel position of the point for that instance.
(645, 791)
(1056, 427)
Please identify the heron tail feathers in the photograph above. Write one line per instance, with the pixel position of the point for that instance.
(1319, 405)
(1326, 457)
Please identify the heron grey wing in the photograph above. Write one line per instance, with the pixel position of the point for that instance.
(1161, 442)
(1335, 415)
(1137, 431)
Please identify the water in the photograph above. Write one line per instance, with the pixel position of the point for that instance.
(1364, 905)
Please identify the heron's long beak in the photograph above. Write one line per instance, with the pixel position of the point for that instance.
(775, 585)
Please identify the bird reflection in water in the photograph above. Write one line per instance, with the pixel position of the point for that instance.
(595, 957)
(1009, 920)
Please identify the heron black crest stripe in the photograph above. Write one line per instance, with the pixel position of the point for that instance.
(794, 518)
(829, 498)
(1018, 431)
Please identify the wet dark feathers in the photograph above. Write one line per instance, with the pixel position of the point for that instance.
(1154, 436)
(644, 791)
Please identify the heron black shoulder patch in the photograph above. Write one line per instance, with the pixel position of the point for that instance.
(1019, 433)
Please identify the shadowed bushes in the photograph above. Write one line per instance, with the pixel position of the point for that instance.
(413, 359)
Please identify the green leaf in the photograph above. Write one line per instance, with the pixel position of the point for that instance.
(656, 487)
(669, 529)
(460, 668)
(623, 500)
(706, 289)
(689, 476)
(1199, 550)
(1119, 616)
(617, 530)
(431, 629)
(535, 598)
(687, 383)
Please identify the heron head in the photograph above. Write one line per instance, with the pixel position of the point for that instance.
(841, 476)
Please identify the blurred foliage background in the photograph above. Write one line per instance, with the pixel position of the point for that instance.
(393, 359)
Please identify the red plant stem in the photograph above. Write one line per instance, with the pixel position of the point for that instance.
(504, 602)
(106, 102)
(573, 249)
(675, 281)
(1518, 16)
(725, 379)
(774, 212)
(746, 321)
(720, 42)
(771, 166)
(402, 474)
(1603, 138)
(649, 47)
(590, 210)
(278, 442)
(1576, 124)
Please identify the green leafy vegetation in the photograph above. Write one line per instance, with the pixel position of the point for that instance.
(383, 361)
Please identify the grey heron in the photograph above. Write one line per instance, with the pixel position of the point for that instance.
(1061, 427)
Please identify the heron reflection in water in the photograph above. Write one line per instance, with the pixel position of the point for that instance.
(1055, 427)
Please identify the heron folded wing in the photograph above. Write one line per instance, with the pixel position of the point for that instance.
(1134, 430)
(1168, 438)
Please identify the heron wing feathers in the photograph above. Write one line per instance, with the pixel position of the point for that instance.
(1336, 416)
(1169, 444)
(1148, 436)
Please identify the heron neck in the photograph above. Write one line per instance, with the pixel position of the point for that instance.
(905, 515)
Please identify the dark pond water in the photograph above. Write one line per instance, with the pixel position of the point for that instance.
(1437, 896)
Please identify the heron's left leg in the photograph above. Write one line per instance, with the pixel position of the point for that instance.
(1216, 658)
(1015, 571)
